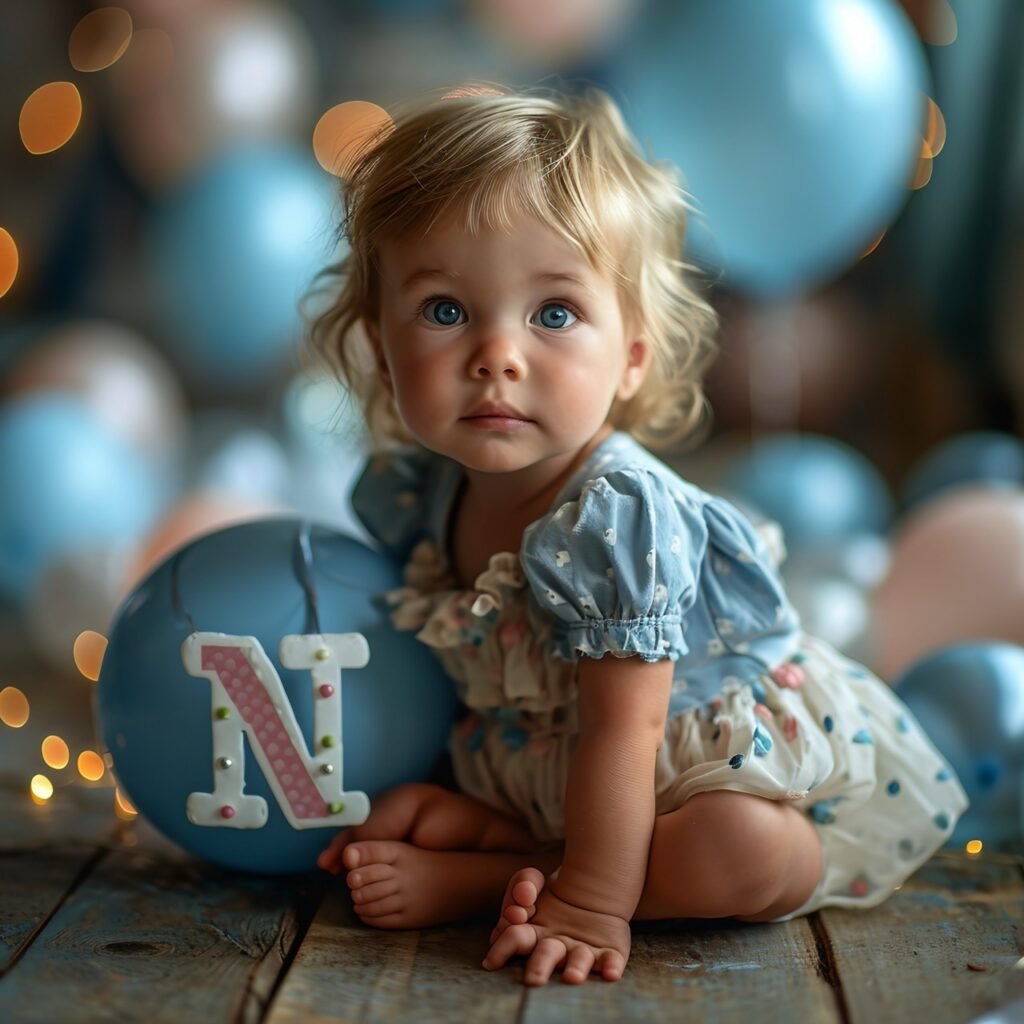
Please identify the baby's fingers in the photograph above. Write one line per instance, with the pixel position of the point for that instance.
(550, 952)
(578, 964)
(515, 940)
(611, 965)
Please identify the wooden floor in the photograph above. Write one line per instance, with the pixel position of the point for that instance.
(102, 920)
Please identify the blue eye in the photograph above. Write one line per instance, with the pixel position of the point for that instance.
(558, 321)
(448, 314)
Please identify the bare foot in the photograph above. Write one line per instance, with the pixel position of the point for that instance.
(520, 902)
(392, 816)
(431, 818)
(397, 885)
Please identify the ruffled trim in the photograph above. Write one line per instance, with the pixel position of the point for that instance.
(443, 612)
(653, 638)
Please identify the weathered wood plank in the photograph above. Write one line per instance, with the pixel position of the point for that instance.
(346, 971)
(145, 940)
(938, 949)
(717, 972)
(722, 972)
(32, 888)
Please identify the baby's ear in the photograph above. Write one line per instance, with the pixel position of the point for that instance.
(638, 362)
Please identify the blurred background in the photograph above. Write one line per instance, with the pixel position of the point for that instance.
(856, 167)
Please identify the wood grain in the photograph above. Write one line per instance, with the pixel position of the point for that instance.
(346, 971)
(146, 940)
(938, 949)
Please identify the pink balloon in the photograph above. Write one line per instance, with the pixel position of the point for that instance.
(956, 574)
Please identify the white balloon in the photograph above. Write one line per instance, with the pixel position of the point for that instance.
(78, 590)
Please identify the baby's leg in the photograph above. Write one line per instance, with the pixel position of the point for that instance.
(729, 854)
(722, 854)
(432, 818)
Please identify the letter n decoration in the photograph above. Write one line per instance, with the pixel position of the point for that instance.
(246, 695)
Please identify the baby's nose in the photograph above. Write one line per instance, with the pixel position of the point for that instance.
(497, 358)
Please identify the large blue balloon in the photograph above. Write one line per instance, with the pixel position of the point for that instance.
(984, 457)
(796, 126)
(818, 490)
(233, 252)
(65, 482)
(247, 580)
(970, 701)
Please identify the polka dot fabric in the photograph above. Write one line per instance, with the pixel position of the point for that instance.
(256, 708)
(633, 560)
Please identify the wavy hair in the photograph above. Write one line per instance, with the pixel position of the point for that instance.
(569, 160)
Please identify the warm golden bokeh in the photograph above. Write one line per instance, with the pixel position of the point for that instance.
(8, 262)
(923, 171)
(344, 130)
(123, 807)
(90, 765)
(49, 117)
(935, 130)
(88, 653)
(13, 707)
(41, 788)
(100, 38)
(55, 752)
(874, 245)
(974, 847)
(942, 28)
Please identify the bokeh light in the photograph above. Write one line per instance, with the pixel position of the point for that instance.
(90, 765)
(974, 847)
(340, 134)
(49, 117)
(89, 649)
(935, 129)
(923, 170)
(100, 38)
(123, 807)
(41, 788)
(8, 261)
(13, 707)
(55, 752)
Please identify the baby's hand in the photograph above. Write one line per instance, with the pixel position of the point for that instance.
(561, 934)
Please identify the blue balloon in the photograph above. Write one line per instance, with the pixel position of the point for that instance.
(796, 126)
(970, 701)
(981, 457)
(158, 721)
(65, 482)
(233, 251)
(817, 489)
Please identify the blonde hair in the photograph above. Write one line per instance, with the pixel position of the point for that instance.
(566, 159)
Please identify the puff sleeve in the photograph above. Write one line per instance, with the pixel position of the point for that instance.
(391, 499)
(618, 567)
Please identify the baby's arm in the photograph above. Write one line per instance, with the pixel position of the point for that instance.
(581, 919)
(609, 800)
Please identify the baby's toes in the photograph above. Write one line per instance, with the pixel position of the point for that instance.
(365, 894)
(369, 873)
(379, 908)
(521, 894)
(360, 854)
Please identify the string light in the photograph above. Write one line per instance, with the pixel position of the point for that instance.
(88, 653)
(123, 807)
(41, 788)
(8, 262)
(100, 39)
(13, 707)
(50, 117)
(90, 765)
(55, 752)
